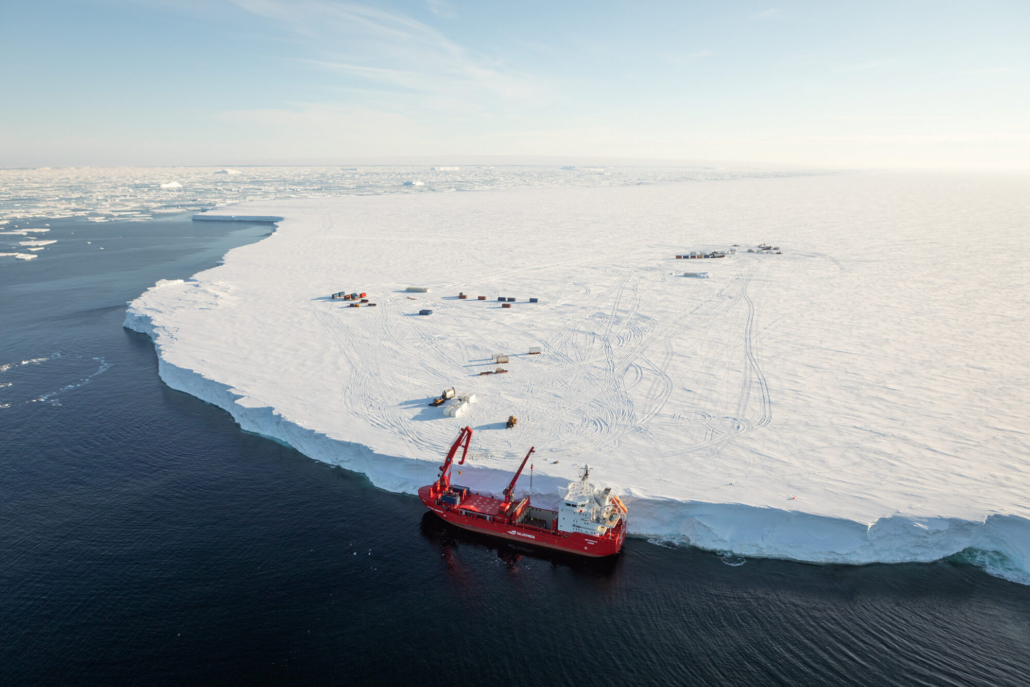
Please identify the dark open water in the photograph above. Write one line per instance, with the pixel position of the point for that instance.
(145, 539)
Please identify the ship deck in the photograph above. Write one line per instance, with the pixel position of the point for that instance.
(484, 505)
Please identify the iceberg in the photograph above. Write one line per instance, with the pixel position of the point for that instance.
(828, 404)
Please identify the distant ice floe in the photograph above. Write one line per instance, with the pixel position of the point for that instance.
(22, 232)
(31, 361)
(19, 256)
(140, 194)
(37, 242)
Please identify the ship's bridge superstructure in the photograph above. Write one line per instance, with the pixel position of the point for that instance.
(589, 510)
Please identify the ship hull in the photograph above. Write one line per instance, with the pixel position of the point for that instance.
(570, 542)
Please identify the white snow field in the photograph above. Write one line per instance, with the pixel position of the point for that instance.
(862, 397)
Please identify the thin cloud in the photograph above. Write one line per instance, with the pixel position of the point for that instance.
(911, 139)
(986, 70)
(439, 8)
(863, 66)
(393, 50)
(765, 14)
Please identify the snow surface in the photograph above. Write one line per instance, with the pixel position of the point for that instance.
(861, 397)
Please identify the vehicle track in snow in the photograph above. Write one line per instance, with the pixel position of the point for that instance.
(749, 349)
(606, 378)
(619, 413)
(709, 319)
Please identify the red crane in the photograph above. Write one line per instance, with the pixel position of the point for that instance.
(444, 482)
(511, 485)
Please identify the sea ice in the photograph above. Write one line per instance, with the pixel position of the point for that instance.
(861, 397)
(105, 194)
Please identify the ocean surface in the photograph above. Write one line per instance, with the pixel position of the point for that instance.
(144, 539)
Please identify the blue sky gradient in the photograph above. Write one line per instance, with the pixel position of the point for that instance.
(870, 84)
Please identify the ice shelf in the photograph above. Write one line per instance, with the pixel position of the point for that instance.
(861, 397)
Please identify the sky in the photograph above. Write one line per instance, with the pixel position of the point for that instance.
(899, 84)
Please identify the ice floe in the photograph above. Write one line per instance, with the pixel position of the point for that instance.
(858, 398)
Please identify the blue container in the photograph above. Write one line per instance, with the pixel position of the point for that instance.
(511, 300)
(425, 312)
(500, 299)
(532, 300)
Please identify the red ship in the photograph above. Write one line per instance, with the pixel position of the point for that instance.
(588, 522)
